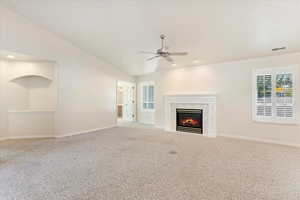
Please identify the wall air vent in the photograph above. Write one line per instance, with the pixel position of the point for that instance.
(279, 49)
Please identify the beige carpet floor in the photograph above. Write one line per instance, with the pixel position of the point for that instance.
(131, 163)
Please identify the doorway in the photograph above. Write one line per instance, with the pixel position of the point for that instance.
(126, 101)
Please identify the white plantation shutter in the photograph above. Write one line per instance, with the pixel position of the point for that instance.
(151, 97)
(148, 96)
(274, 95)
(264, 95)
(145, 96)
(285, 95)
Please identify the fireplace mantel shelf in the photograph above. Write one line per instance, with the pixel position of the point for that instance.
(200, 94)
(192, 95)
(204, 101)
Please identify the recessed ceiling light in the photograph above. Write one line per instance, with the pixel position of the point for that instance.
(196, 61)
(174, 64)
(10, 56)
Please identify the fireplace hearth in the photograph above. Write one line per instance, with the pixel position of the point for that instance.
(189, 120)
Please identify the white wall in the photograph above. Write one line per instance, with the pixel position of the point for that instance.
(232, 83)
(30, 124)
(3, 108)
(86, 84)
(17, 94)
(41, 94)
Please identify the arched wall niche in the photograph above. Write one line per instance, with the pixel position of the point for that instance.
(22, 69)
(31, 86)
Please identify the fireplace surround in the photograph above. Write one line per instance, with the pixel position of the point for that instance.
(204, 102)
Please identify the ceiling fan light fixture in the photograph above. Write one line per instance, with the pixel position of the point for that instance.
(162, 52)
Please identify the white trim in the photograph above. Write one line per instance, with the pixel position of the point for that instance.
(30, 111)
(268, 141)
(85, 132)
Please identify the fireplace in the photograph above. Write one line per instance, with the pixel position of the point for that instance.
(203, 102)
(189, 120)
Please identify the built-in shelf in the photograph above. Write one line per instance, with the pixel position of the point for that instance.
(31, 76)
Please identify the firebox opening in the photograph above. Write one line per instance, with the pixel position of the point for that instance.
(189, 120)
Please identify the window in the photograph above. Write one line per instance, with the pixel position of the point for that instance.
(274, 95)
(148, 96)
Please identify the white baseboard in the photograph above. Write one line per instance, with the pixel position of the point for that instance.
(159, 127)
(84, 132)
(260, 140)
(31, 137)
(27, 137)
(143, 121)
(51, 136)
(3, 138)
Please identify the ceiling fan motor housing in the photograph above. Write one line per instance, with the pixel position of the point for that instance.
(162, 52)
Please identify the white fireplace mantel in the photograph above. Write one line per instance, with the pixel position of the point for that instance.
(206, 102)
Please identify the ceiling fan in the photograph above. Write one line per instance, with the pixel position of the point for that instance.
(162, 52)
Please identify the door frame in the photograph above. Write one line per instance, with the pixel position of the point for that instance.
(134, 106)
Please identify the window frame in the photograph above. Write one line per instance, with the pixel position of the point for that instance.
(147, 84)
(293, 69)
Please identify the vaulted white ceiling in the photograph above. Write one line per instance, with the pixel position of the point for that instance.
(210, 30)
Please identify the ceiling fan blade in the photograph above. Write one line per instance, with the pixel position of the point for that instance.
(168, 58)
(147, 52)
(153, 57)
(178, 54)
